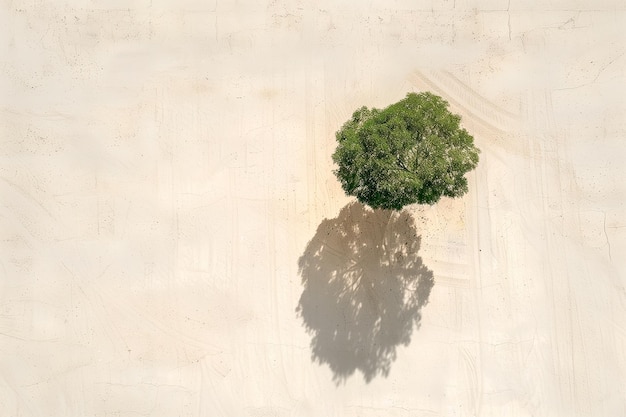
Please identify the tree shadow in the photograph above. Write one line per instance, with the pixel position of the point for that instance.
(364, 287)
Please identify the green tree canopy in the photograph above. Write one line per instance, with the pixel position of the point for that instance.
(413, 151)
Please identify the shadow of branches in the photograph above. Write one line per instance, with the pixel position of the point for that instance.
(364, 286)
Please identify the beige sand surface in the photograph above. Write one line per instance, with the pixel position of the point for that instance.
(174, 243)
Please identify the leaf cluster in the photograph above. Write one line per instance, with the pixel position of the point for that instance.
(413, 151)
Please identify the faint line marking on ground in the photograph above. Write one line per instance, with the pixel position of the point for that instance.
(608, 242)
(600, 71)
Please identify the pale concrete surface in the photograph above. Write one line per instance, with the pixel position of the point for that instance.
(166, 185)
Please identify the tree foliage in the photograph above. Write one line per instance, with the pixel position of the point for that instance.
(413, 151)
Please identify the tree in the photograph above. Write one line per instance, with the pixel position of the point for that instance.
(413, 151)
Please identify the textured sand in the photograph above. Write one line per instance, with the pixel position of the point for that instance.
(174, 243)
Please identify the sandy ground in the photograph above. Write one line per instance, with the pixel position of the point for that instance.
(174, 243)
